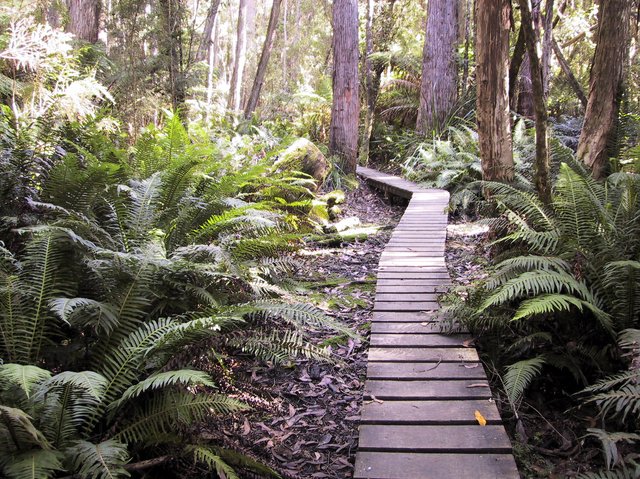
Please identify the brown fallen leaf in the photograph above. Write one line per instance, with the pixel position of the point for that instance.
(468, 343)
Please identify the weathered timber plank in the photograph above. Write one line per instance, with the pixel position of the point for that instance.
(411, 328)
(386, 465)
(419, 340)
(471, 439)
(455, 412)
(404, 316)
(434, 291)
(434, 389)
(413, 371)
(424, 355)
(404, 295)
(408, 306)
(444, 277)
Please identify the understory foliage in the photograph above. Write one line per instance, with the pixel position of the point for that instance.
(120, 264)
(562, 300)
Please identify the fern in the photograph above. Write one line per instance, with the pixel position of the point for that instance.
(165, 412)
(105, 460)
(34, 464)
(25, 377)
(520, 375)
(609, 442)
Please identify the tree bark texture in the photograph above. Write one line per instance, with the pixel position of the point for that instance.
(439, 86)
(171, 13)
(207, 41)
(605, 85)
(547, 40)
(345, 111)
(370, 101)
(240, 59)
(541, 168)
(525, 102)
(84, 19)
(517, 58)
(493, 20)
(261, 72)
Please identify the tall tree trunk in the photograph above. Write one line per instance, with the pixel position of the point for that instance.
(84, 19)
(467, 47)
(252, 102)
(605, 85)
(285, 45)
(368, 85)
(207, 41)
(171, 12)
(525, 105)
(514, 69)
(541, 164)
(345, 111)
(547, 46)
(493, 20)
(439, 88)
(240, 59)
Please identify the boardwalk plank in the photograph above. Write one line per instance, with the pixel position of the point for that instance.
(458, 412)
(385, 465)
(441, 390)
(418, 340)
(425, 355)
(411, 371)
(470, 439)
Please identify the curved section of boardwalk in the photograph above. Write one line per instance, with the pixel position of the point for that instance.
(423, 388)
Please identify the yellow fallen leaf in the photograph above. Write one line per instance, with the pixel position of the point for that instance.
(480, 418)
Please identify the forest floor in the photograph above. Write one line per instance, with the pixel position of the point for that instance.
(304, 421)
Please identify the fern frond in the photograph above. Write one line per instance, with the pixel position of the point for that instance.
(519, 376)
(276, 346)
(25, 377)
(209, 458)
(105, 460)
(553, 303)
(162, 380)
(533, 283)
(165, 412)
(609, 442)
(34, 464)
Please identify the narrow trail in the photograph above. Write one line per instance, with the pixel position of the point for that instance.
(424, 390)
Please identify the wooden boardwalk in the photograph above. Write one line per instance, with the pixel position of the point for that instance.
(423, 388)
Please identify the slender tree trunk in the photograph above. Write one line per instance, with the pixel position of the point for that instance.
(467, 47)
(285, 45)
(493, 20)
(240, 59)
(525, 103)
(605, 85)
(84, 19)
(573, 81)
(171, 12)
(547, 47)
(343, 135)
(541, 165)
(368, 85)
(514, 69)
(207, 41)
(438, 91)
(252, 103)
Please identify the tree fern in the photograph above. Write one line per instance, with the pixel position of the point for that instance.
(24, 376)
